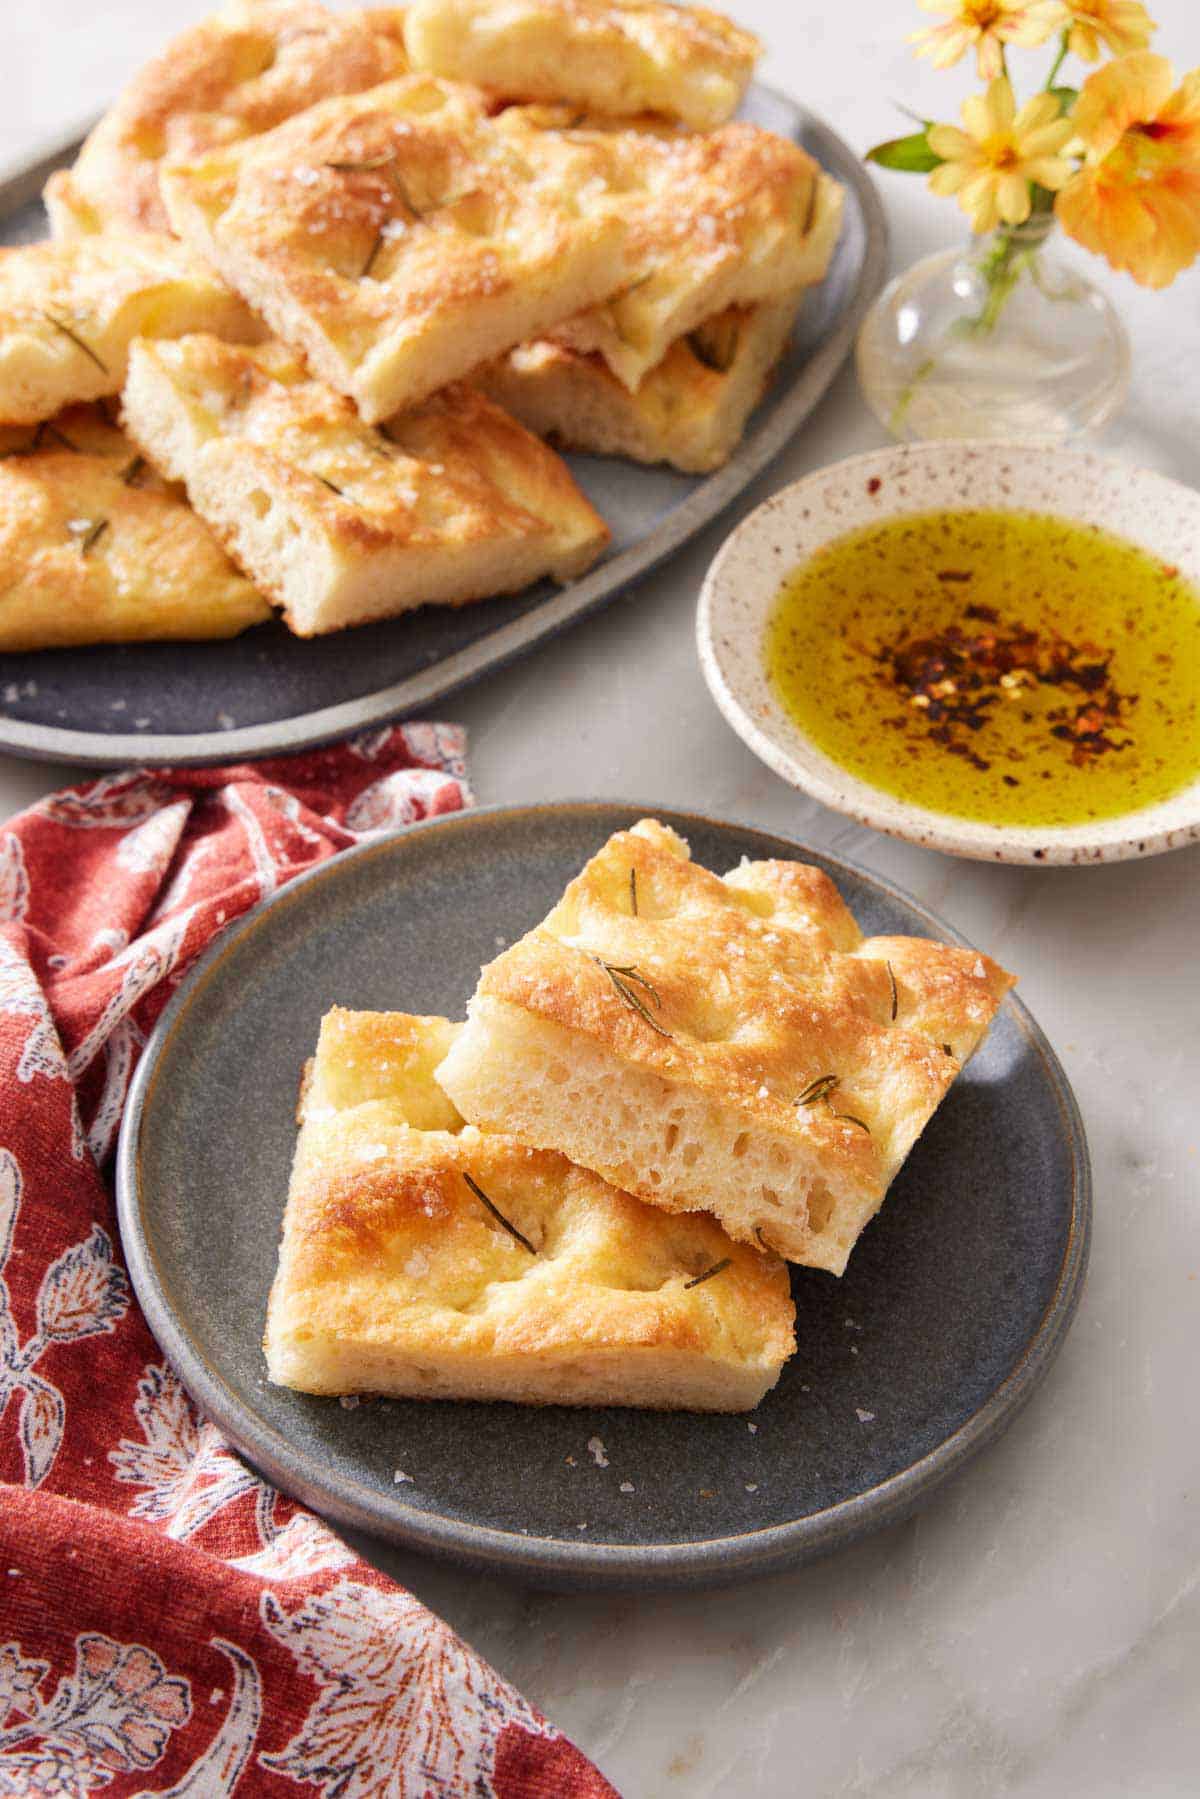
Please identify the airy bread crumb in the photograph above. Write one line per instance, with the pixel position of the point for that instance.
(731, 1045)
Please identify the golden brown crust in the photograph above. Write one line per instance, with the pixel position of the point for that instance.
(240, 72)
(69, 312)
(95, 548)
(401, 237)
(756, 993)
(453, 501)
(690, 409)
(727, 218)
(395, 1276)
(619, 57)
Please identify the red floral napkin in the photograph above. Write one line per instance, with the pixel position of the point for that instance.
(168, 1624)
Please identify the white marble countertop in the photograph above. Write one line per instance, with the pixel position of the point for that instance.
(1036, 1630)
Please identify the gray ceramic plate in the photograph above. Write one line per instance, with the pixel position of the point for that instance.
(267, 691)
(952, 1308)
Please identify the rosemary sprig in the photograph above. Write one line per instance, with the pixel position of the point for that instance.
(92, 536)
(131, 471)
(332, 486)
(709, 359)
(633, 903)
(621, 977)
(372, 255)
(818, 1089)
(947, 1049)
(358, 168)
(811, 214)
(851, 1119)
(60, 437)
(717, 1268)
(61, 325)
(498, 1215)
(407, 201)
(895, 994)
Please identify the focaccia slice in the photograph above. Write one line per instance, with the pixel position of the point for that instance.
(340, 522)
(401, 237)
(237, 73)
(690, 411)
(620, 57)
(69, 312)
(727, 218)
(421, 1258)
(95, 548)
(731, 1044)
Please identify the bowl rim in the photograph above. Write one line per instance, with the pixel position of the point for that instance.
(777, 740)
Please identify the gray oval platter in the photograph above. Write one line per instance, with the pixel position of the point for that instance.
(268, 692)
(952, 1308)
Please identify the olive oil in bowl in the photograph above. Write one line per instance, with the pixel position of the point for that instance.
(1007, 667)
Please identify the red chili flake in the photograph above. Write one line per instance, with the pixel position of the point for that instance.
(954, 679)
(874, 484)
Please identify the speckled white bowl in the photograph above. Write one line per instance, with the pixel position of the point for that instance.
(743, 583)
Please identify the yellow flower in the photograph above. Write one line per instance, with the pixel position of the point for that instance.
(988, 25)
(1117, 25)
(991, 163)
(1136, 200)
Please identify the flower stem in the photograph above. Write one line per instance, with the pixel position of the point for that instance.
(1001, 270)
(1059, 60)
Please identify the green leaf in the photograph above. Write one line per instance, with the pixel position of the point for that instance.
(911, 154)
(1066, 97)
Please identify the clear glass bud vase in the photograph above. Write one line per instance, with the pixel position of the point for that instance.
(1000, 340)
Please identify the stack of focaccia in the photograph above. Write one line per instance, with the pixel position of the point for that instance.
(587, 1193)
(321, 284)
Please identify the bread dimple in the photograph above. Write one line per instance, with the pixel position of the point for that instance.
(731, 1043)
(239, 72)
(338, 521)
(395, 1275)
(620, 57)
(95, 548)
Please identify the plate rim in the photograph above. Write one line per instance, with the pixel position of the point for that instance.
(702, 506)
(548, 1559)
(1150, 831)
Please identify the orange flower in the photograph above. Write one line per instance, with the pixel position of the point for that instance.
(988, 25)
(1136, 200)
(1118, 25)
